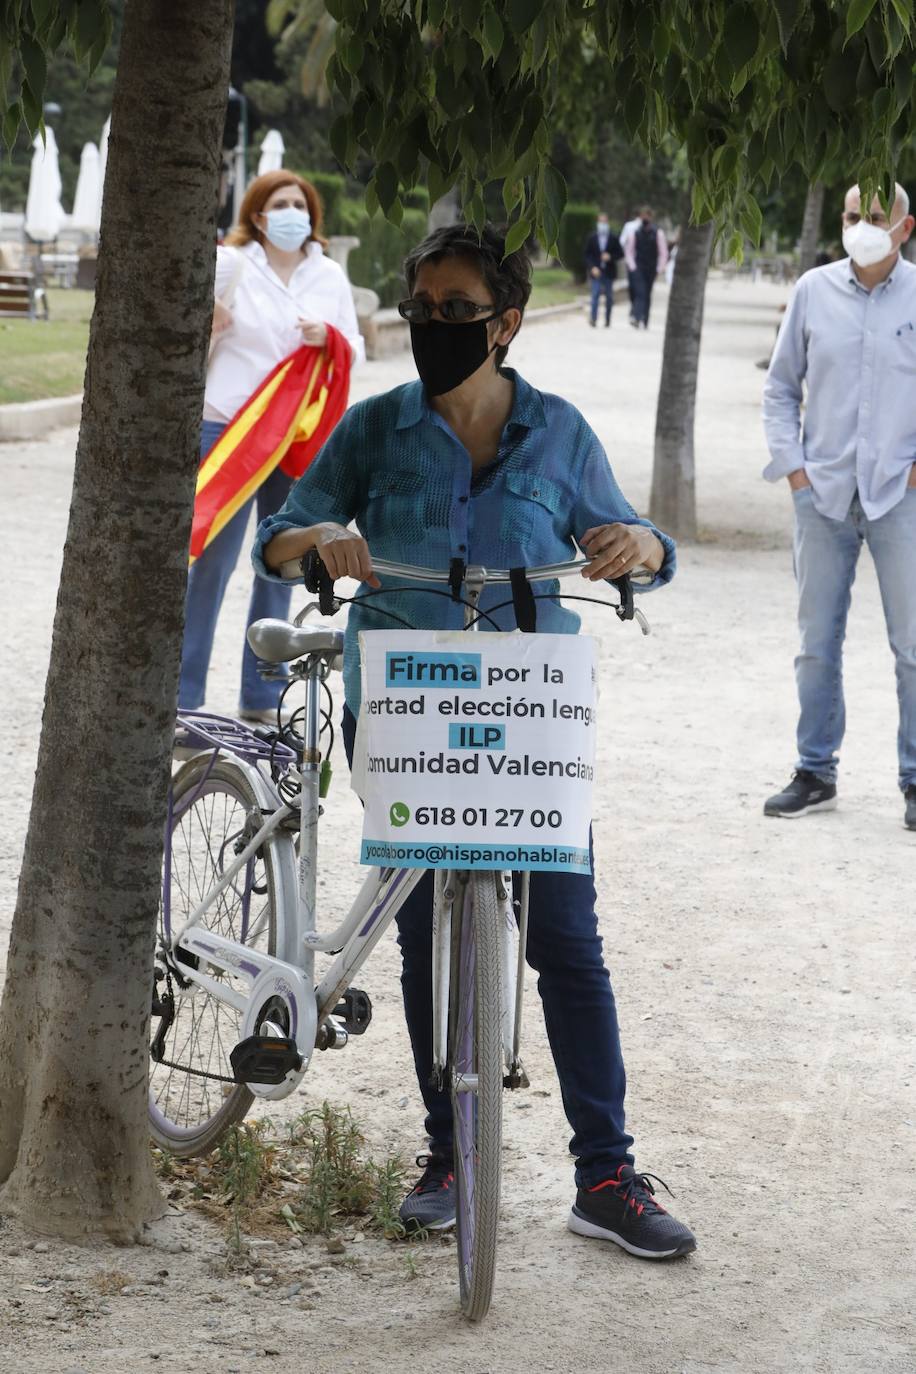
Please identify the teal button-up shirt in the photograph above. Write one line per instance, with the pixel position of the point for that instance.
(395, 467)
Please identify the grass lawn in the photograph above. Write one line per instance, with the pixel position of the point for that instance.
(40, 358)
(554, 286)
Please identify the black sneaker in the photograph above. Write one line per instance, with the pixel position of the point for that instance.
(909, 818)
(623, 1209)
(806, 792)
(430, 1204)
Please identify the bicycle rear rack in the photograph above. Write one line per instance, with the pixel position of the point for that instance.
(201, 731)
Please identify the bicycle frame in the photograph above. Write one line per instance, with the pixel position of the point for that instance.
(290, 974)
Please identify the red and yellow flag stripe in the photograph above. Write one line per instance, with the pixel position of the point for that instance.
(284, 423)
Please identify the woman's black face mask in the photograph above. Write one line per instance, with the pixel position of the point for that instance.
(447, 354)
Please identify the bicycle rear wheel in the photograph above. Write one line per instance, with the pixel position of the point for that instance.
(476, 1084)
(213, 813)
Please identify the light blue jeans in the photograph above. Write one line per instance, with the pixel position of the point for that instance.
(826, 553)
(207, 582)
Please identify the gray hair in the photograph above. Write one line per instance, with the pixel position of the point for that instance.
(900, 197)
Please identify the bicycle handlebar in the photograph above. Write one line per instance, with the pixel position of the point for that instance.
(475, 577)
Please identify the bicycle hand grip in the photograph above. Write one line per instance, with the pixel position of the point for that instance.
(317, 579)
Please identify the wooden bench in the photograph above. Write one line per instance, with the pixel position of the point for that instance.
(22, 297)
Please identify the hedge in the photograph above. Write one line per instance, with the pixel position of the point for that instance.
(577, 223)
(382, 248)
(330, 187)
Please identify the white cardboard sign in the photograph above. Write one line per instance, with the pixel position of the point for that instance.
(476, 750)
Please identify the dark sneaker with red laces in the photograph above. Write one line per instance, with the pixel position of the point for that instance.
(623, 1209)
(806, 792)
(430, 1204)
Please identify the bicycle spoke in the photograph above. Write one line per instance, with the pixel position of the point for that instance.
(207, 835)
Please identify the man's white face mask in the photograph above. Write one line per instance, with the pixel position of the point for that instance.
(867, 244)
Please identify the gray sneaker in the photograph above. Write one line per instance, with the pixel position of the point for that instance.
(623, 1209)
(806, 792)
(430, 1204)
(909, 816)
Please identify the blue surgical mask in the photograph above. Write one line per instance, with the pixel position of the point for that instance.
(288, 229)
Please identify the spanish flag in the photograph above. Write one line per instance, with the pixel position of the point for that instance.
(283, 424)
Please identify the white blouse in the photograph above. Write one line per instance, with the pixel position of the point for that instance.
(264, 315)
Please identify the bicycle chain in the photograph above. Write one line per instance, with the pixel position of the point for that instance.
(186, 1068)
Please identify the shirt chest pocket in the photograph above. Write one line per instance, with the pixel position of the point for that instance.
(533, 512)
(902, 350)
(396, 506)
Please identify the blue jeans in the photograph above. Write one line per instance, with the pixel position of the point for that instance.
(564, 948)
(602, 286)
(207, 582)
(826, 553)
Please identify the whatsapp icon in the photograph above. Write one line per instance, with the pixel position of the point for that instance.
(399, 813)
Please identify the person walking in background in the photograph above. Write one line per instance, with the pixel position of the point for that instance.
(275, 291)
(626, 234)
(850, 333)
(602, 254)
(646, 253)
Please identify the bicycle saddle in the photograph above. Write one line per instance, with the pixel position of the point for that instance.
(279, 641)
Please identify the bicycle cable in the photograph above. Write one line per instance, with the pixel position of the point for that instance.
(550, 596)
(423, 591)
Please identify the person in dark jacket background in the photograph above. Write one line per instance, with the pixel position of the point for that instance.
(646, 252)
(602, 254)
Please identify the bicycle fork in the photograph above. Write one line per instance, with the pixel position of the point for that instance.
(450, 907)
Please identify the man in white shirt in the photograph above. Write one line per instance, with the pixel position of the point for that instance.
(850, 334)
(626, 234)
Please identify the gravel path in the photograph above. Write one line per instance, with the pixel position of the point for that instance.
(763, 971)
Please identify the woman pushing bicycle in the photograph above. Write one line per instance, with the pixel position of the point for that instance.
(471, 463)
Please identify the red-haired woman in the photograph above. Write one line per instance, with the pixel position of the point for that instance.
(282, 291)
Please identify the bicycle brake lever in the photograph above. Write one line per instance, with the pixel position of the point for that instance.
(317, 579)
(303, 615)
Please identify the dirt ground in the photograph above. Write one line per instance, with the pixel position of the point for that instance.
(764, 972)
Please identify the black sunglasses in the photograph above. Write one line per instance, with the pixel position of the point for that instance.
(455, 311)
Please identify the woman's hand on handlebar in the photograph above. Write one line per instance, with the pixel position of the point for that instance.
(344, 553)
(617, 549)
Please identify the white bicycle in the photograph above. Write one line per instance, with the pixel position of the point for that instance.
(236, 1010)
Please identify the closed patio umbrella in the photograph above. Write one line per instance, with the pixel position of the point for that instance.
(44, 213)
(272, 149)
(88, 198)
(103, 160)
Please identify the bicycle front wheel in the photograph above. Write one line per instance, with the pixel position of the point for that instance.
(476, 1083)
(213, 813)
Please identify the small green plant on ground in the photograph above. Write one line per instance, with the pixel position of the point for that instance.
(246, 1167)
(310, 1177)
(341, 1180)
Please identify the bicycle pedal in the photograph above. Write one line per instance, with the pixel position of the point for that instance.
(264, 1059)
(354, 1010)
(516, 1078)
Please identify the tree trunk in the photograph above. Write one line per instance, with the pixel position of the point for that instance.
(74, 1157)
(672, 505)
(811, 227)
